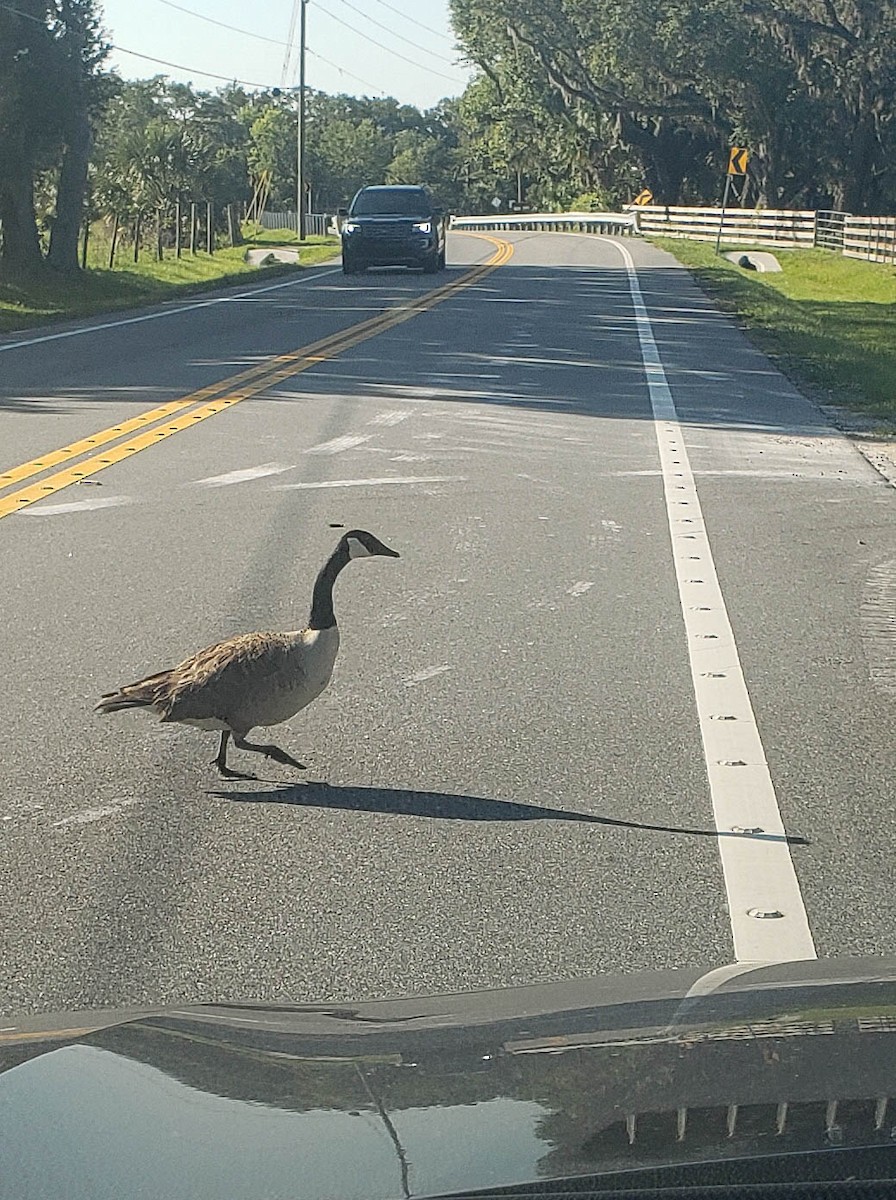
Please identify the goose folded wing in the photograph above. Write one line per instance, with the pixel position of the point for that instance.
(216, 681)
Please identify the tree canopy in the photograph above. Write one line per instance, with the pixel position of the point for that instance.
(573, 103)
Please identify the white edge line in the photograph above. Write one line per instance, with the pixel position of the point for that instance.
(168, 312)
(758, 870)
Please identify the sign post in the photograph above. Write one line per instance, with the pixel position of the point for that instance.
(738, 158)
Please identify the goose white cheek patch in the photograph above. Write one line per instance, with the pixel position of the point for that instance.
(357, 549)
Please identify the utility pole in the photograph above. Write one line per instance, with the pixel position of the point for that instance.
(300, 132)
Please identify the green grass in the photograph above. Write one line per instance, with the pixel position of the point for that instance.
(828, 321)
(52, 297)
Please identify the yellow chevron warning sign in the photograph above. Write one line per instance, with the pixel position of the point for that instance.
(737, 160)
(644, 197)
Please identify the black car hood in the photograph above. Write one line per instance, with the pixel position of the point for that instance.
(432, 1095)
(387, 219)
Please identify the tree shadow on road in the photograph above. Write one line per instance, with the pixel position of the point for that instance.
(444, 806)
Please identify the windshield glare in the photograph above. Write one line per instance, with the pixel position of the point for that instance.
(384, 202)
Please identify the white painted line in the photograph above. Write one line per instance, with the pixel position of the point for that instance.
(428, 673)
(338, 483)
(54, 510)
(760, 879)
(216, 481)
(336, 445)
(94, 814)
(154, 316)
(390, 418)
(579, 589)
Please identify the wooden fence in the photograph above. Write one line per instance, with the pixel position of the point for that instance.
(768, 226)
(317, 224)
(872, 238)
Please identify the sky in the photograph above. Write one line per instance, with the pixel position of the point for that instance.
(400, 48)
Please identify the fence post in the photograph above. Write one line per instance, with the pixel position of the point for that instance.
(230, 224)
(84, 244)
(114, 241)
(209, 230)
(137, 224)
(177, 219)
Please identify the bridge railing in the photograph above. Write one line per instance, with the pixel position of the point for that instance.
(619, 224)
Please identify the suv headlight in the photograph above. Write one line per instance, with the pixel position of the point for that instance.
(423, 226)
(350, 227)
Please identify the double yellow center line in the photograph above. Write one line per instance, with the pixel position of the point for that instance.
(80, 460)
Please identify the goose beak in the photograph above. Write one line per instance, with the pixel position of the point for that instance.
(389, 553)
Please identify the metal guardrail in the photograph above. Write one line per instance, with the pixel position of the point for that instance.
(621, 224)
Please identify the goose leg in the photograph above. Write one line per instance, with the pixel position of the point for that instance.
(221, 761)
(273, 752)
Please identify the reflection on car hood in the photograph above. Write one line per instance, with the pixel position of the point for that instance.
(433, 1095)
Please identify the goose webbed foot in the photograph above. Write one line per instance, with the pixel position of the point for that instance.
(270, 751)
(229, 773)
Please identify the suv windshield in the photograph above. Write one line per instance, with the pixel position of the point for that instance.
(386, 202)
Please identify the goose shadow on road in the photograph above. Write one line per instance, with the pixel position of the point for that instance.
(448, 807)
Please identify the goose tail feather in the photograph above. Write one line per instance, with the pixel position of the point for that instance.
(142, 694)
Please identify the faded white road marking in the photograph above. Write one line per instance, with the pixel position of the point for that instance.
(879, 626)
(611, 527)
(422, 676)
(390, 418)
(168, 312)
(53, 510)
(216, 481)
(87, 815)
(390, 479)
(767, 913)
(579, 589)
(336, 445)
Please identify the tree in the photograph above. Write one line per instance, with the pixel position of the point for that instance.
(50, 92)
(30, 117)
(665, 87)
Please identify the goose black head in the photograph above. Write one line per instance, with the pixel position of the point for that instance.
(361, 544)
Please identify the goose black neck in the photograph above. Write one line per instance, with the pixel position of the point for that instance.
(322, 615)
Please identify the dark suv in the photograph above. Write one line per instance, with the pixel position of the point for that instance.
(393, 227)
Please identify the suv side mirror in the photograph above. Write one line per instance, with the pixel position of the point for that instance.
(438, 214)
(341, 212)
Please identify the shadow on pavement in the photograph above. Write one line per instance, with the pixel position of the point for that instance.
(443, 806)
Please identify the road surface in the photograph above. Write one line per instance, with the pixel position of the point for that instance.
(625, 702)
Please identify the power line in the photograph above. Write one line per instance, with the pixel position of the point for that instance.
(414, 21)
(401, 37)
(263, 38)
(28, 16)
(388, 49)
(343, 71)
(189, 70)
(290, 40)
(247, 82)
(223, 24)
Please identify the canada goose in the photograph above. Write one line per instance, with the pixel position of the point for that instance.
(254, 678)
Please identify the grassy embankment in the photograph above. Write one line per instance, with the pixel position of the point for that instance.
(828, 321)
(53, 297)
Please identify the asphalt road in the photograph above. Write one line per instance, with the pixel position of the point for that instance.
(515, 775)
